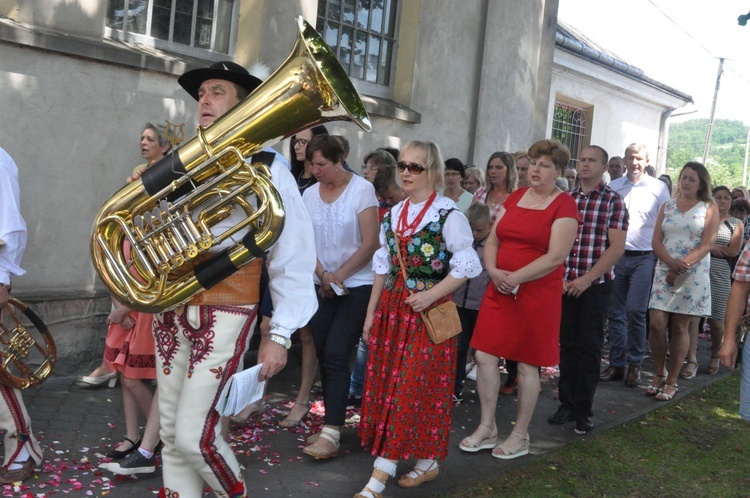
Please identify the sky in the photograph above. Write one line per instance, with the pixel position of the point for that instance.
(676, 42)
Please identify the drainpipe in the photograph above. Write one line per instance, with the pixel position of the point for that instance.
(661, 152)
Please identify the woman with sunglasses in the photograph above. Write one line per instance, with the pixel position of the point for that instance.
(406, 408)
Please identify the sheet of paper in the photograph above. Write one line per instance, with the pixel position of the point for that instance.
(242, 389)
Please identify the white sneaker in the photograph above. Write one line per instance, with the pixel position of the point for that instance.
(472, 375)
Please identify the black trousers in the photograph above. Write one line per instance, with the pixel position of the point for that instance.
(581, 342)
(336, 329)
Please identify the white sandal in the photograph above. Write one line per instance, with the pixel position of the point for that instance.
(471, 445)
(508, 454)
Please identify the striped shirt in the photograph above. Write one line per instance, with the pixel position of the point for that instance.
(601, 209)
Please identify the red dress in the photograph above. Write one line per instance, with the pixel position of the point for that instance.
(525, 327)
(406, 406)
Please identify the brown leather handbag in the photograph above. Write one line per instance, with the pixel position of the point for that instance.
(442, 320)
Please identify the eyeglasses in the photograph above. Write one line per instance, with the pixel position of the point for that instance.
(366, 167)
(414, 168)
(300, 141)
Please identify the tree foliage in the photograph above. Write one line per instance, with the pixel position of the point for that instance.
(726, 156)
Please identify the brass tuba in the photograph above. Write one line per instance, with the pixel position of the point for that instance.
(164, 219)
(27, 351)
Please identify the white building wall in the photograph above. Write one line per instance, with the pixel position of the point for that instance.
(624, 110)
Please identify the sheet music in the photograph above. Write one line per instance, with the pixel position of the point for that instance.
(242, 389)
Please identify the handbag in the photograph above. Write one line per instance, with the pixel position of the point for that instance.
(442, 321)
(742, 329)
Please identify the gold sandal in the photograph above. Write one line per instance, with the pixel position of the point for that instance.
(655, 386)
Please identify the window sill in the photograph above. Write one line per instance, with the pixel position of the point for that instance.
(386, 108)
(103, 50)
(142, 57)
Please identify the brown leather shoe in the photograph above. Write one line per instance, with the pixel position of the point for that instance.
(11, 476)
(634, 376)
(612, 373)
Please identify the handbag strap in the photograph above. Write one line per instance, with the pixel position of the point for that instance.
(400, 258)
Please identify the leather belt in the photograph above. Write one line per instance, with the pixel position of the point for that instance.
(241, 288)
(638, 253)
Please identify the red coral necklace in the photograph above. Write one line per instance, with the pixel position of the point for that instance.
(404, 227)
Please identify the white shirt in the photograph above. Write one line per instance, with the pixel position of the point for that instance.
(643, 200)
(291, 261)
(336, 226)
(457, 233)
(12, 225)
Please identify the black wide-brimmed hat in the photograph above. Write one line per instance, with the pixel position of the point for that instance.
(191, 81)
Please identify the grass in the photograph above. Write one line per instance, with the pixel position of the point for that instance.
(698, 446)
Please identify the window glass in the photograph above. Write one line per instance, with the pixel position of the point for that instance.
(173, 24)
(362, 35)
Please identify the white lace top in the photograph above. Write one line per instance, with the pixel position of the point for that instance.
(457, 232)
(336, 226)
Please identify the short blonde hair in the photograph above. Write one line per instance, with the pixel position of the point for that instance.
(434, 165)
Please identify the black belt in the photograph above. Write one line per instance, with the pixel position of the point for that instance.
(638, 253)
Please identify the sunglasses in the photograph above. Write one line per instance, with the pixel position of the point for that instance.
(299, 141)
(414, 168)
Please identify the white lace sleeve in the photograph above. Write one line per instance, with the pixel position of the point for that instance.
(458, 240)
(381, 261)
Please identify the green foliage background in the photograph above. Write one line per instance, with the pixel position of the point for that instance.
(726, 157)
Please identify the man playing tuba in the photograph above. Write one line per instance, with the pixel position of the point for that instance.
(200, 346)
(22, 451)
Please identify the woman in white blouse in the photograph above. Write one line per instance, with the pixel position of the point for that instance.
(407, 405)
(344, 212)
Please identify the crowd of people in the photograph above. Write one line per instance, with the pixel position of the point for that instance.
(603, 246)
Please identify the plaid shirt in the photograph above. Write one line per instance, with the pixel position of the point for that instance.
(601, 210)
(742, 268)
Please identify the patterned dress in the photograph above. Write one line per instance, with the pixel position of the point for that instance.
(721, 272)
(691, 292)
(406, 407)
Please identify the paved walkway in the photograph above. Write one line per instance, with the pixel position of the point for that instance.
(76, 425)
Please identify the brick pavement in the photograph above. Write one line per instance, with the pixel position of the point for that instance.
(76, 424)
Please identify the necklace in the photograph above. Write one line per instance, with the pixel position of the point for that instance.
(543, 200)
(307, 184)
(403, 225)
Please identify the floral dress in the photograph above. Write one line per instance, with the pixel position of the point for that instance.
(691, 292)
(406, 407)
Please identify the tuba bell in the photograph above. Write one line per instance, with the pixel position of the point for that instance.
(27, 349)
(150, 242)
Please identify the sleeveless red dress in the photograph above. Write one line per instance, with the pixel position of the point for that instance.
(525, 327)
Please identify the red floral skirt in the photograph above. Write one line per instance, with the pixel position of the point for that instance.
(407, 405)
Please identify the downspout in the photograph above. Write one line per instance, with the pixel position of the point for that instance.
(478, 87)
(661, 152)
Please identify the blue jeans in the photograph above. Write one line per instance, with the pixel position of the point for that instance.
(627, 313)
(336, 329)
(357, 383)
(745, 384)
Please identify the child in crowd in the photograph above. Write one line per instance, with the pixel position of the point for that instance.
(469, 295)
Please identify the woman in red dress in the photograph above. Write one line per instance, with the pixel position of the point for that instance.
(406, 407)
(519, 317)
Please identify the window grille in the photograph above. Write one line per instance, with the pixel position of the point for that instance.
(569, 128)
(362, 34)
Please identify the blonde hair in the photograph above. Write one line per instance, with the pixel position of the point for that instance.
(434, 164)
(476, 173)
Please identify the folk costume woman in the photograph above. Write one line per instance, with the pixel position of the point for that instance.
(406, 407)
